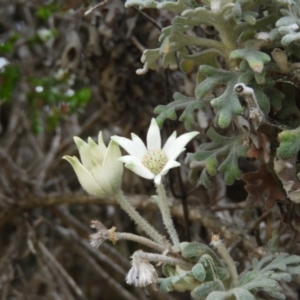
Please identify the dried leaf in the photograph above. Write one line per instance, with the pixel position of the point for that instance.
(263, 149)
(262, 188)
(286, 172)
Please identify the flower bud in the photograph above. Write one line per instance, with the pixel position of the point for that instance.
(99, 171)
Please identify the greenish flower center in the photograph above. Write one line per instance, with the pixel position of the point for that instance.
(155, 160)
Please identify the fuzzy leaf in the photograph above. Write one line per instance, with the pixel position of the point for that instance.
(187, 104)
(274, 294)
(200, 13)
(149, 58)
(176, 7)
(281, 276)
(256, 59)
(227, 105)
(221, 274)
(223, 150)
(199, 272)
(294, 270)
(289, 143)
(219, 295)
(202, 291)
(193, 251)
(268, 271)
(273, 243)
(189, 61)
(260, 283)
(242, 294)
(141, 3)
(165, 284)
(184, 282)
(168, 270)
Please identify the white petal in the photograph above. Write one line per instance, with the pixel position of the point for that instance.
(84, 152)
(179, 143)
(101, 143)
(175, 153)
(134, 149)
(133, 276)
(153, 136)
(137, 140)
(96, 151)
(136, 166)
(101, 177)
(85, 178)
(170, 165)
(113, 168)
(170, 140)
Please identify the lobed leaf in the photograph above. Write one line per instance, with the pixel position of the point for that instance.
(221, 154)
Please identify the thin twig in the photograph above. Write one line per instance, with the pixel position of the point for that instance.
(147, 17)
(69, 280)
(124, 294)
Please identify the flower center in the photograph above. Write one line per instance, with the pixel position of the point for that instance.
(155, 160)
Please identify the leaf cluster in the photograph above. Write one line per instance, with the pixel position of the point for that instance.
(209, 278)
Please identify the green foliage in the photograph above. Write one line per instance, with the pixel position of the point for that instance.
(9, 77)
(207, 280)
(8, 45)
(227, 105)
(221, 154)
(245, 60)
(256, 59)
(206, 275)
(194, 251)
(46, 11)
(289, 143)
(266, 273)
(199, 272)
(187, 104)
(175, 7)
(273, 243)
(202, 291)
(56, 98)
(241, 51)
(288, 25)
(184, 281)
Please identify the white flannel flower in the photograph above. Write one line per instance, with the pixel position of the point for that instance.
(153, 162)
(142, 273)
(99, 171)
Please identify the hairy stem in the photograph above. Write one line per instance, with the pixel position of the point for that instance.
(140, 240)
(138, 219)
(160, 258)
(166, 214)
(222, 250)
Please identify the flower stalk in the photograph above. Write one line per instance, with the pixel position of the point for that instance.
(161, 258)
(166, 214)
(103, 234)
(139, 220)
(222, 250)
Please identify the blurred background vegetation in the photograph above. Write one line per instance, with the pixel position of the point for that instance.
(65, 74)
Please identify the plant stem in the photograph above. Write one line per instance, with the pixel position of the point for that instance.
(222, 250)
(139, 220)
(160, 258)
(166, 214)
(140, 240)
